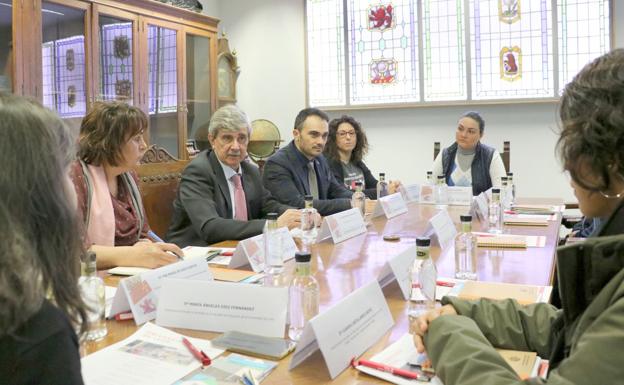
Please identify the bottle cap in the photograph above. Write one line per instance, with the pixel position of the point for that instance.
(308, 198)
(465, 218)
(302, 256)
(504, 178)
(423, 241)
(510, 174)
(271, 216)
(382, 174)
(358, 183)
(429, 172)
(495, 190)
(441, 176)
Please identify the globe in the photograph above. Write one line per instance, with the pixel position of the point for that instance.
(264, 140)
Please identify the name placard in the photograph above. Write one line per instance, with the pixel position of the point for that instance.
(479, 207)
(442, 228)
(140, 293)
(461, 196)
(346, 330)
(427, 194)
(398, 268)
(342, 226)
(390, 206)
(411, 193)
(251, 250)
(221, 306)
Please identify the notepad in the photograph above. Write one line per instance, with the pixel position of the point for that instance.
(529, 240)
(512, 220)
(230, 275)
(524, 294)
(537, 209)
(502, 242)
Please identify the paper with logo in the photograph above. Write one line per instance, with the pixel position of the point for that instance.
(151, 356)
(411, 193)
(345, 330)
(390, 206)
(342, 226)
(459, 196)
(398, 268)
(140, 293)
(427, 194)
(222, 306)
(251, 250)
(442, 228)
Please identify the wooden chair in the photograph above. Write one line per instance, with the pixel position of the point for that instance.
(159, 177)
(505, 155)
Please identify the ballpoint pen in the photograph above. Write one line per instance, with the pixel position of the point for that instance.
(200, 355)
(154, 237)
(391, 369)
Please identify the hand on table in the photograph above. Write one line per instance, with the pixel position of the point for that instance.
(422, 324)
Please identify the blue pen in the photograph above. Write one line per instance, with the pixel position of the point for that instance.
(154, 237)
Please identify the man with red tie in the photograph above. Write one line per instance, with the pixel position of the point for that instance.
(221, 196)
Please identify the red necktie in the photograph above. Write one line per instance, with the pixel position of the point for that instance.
(240, 203)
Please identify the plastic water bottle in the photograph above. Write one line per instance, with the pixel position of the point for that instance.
(359, 199)
(505, 194)
(495, 213)
(512, 188)
(430, 178)
(273, 261)
(303, 296)
(382, 186)
(423, 276)
(93, 294)
(466, 250)
(308, 226)
(441, 192)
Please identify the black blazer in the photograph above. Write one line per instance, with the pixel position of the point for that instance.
(202, 210)
(285, 175)
(371, 183)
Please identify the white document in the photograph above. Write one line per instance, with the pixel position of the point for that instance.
(459, 196)
(411, 193)
(109, 294)
(346, 330)
(223, 259)
(342, 226)
(390, 206)
(427, 194)
(443, 287)
(223, 306)
(251, 250)
(481, 209)
(151, 356)
(139, 293)
(398, 267)
(443, 228)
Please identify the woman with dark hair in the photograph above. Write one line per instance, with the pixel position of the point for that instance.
(583, 340)
(39, 248)
(345, 148)
(468, 162)
(111, 144)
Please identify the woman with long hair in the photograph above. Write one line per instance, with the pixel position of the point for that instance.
(40, 248)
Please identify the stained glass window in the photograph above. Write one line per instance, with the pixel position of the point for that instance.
(70, 77)
(511, 49)
(444, 50)
(325, 51)
(47, 61)
(116, 61)
(383, 52)
(162, 70)
(583, 27)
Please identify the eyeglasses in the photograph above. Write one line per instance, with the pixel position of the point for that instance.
(342, 134)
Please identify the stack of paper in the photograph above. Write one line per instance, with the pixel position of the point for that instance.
(502, 242)
(524, 294)
(537, 209)
(515, 220)
(230, 370)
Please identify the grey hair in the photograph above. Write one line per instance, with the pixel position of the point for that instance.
(228, 118)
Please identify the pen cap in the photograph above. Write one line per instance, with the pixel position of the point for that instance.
(302, 257)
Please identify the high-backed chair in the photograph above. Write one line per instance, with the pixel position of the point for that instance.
(159, 177)
(505, 155)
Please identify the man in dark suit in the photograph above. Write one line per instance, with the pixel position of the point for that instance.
(300, 168)
(221, 197)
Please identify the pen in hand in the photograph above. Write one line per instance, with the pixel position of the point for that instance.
(152, 235)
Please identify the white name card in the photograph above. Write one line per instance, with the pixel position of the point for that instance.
(221, 307)
(411, 193)
(140, 293)
(342, 226)
(479, 207)
(251, 250)
(461, 196)
(390, 206)
(427, 194)
(346, 330)
(398, 268)
(443, 228)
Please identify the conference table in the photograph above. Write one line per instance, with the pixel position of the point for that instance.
(344, 267)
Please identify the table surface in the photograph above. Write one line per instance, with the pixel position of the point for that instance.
(349, 265)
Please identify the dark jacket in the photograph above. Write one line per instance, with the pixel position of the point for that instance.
(285, 175)
(583, 340)
(202, 210)
(371, 183)
(479, 169)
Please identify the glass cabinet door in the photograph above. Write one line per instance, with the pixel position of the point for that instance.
(6, 45)
(162, 91)
(116, 58)
(64, 63)
(198, 88)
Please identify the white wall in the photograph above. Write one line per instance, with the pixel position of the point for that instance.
(269, 38)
